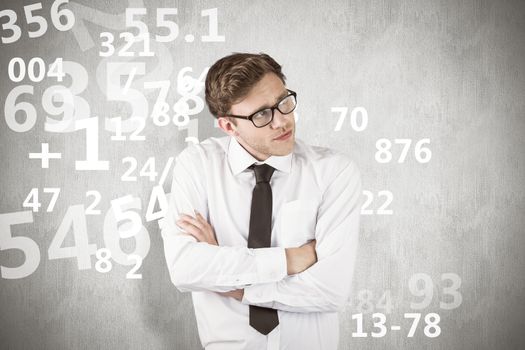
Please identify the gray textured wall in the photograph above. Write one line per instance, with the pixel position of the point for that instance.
(449, 71)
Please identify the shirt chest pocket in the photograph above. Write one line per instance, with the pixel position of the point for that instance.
(297, 221)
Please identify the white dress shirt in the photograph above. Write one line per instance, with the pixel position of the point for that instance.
(316, 194)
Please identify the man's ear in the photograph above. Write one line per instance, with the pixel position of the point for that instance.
(227, 125)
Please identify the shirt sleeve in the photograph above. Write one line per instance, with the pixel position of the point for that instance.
(325, 286)
(197, 266)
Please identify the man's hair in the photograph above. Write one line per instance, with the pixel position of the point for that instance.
(231, 78)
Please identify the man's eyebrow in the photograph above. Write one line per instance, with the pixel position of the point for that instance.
(280, 97)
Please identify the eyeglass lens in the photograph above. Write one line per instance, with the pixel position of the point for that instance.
(264, 117)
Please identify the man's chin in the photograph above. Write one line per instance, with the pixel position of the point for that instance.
(283, 151)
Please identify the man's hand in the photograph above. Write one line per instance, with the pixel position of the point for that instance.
(237, 294)
(198, 227)
(300, 258)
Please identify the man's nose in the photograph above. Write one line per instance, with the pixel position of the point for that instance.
(279, 119)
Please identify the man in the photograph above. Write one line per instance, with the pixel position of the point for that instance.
(262, 228)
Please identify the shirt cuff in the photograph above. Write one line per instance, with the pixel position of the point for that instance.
(271, 264)
(260, 294)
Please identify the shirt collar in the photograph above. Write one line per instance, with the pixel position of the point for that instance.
(240, 159)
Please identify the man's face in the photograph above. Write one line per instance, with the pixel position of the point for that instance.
(260, 142)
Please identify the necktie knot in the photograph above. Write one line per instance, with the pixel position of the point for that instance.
(263, 172)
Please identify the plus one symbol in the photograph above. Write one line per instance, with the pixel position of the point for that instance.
(45, 156)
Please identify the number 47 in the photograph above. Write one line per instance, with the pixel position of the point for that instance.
(31, 200)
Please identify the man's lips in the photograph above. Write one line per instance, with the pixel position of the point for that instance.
(283, 135)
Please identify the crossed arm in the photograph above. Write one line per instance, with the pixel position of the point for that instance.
(315, 277)
(297, 259)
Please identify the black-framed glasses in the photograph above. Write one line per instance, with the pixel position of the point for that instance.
(264, 116)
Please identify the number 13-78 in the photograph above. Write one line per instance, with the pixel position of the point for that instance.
(431, 329)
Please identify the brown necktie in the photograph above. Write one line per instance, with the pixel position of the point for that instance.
(261, 318)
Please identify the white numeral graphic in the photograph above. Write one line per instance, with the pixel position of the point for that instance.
(115, 92)
(382, 210)
(92, 162)
(355, 123)
(359, 321)
(10, 25)
(157, 195)
(73, 107)
(133, 218)
(173, 28)
(379, 324)
(39, 20)
(11, 107)
(25, 244)
(384, 155)
(421, 285)
(37, 25)
(57, 15)
(452, 290)
(426, 290)
(113, 233)
(31, 200)
(75, 217)
(138, 262)
(100, 18)
(148, 169)
(90, 210)
(213, 35)
(416, 317)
